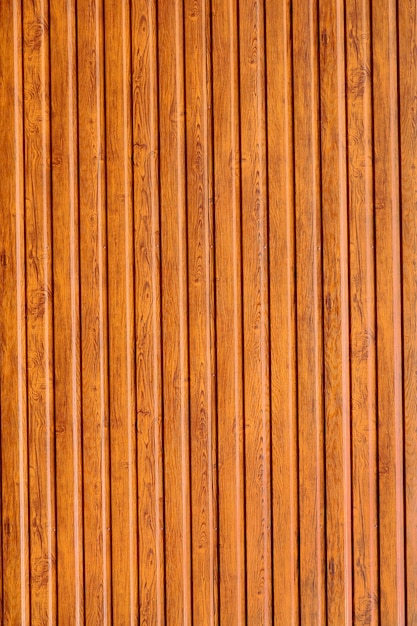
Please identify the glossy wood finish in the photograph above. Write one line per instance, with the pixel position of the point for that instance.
(208, 322)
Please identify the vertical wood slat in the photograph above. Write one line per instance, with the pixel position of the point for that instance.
(362, 311)
(309, 315)
(280, 145)
(407, 41)
(15, 601)
(175, 340)
(148, 310)
(208, 325)
(255, 312)
(94, 322)
(229, 320)
(388, 315)
(201, 311)
(66, 312)
(122, 397)
(39, 311)
(336, 313)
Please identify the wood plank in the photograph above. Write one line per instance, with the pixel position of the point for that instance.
(336, 313)
(362, 313)
(66, 313)
(123, 480)
(388, 314)
(229, 329)
(15, 601)
(201, 311)
(309, 314)
(175, 344)
(280, 143)
(94, 324)
(42, 511)
(255, 313)
(148, 312)
(407, 43)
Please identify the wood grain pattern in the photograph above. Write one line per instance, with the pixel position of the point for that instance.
(338, 448)
(66, 291)
(388, 316)
(229, 314)
(94, 319)
(255, 279)
(39, 311)
(208, 328)
(147, 315)
(362, 312)
(15, 599)
(407, 93)
(175, 314)
(280, 145)
(308, 244)
(200, 252)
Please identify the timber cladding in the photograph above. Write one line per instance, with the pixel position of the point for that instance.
(208, 322)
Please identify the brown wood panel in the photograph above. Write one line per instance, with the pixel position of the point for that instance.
(208, 330)
(308, 244)
(15, 588)
(147, 316)
(229, 329)
(337, 379)
(362, 311)
(284, 440)
(94, 324)
(66, 289)
(407, 94)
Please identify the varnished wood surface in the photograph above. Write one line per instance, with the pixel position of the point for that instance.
(208, 322)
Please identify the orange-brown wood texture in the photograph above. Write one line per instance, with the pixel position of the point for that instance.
(208, 312)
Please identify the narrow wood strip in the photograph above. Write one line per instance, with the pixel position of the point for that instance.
(255, 313)
(229, 348)
(362, 312)
(282, 313)
(174, 312)
(407, 43)
(336, 313)
(66, 313)
(201, 310)
(39, 312)
(309, 314)
(148, 312)
(14, 469)
(93, 276)
(389, 334)
(121, 313)
(24, 551)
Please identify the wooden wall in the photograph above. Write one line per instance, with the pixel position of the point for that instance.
(208, 323)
